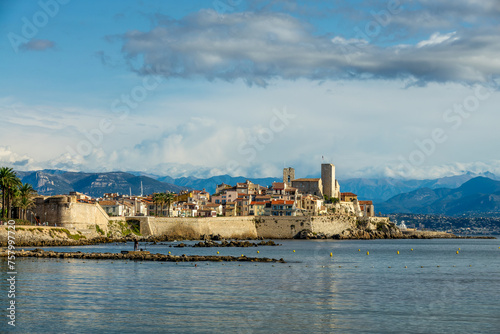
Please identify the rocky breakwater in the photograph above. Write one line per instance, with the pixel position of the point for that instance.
(136, 256)
(234, 243)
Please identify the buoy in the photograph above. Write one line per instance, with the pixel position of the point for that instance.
(168, 252)
(367, 253)
(458, 248)
(331, 254)
(406, 267)
(359, 250)
(242, 255)
(412, 249)
(457, 252)
(258, 252)
(398, 252)
(294, 250)
(217, 252)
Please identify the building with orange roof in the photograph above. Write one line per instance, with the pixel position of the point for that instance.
(283, 208)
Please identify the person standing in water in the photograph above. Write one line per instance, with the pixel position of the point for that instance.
(136, 245)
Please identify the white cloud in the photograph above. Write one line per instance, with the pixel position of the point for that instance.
(260, 47)
(437, 38)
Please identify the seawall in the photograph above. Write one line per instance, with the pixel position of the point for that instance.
(267, 227)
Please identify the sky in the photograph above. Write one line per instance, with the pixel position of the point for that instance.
(397, 88)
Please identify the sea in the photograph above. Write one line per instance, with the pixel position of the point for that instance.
(325, 286)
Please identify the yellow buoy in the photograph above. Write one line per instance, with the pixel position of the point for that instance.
(258, 252)
(459, 249)
(217, 252)
(398, 252)
(412, 249)
(457, 252)
(359, 250)
(242, 255)
(367, 253)
(294, 250)
(331, 254)
(169, 252)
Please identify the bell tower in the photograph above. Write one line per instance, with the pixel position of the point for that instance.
(288, 176)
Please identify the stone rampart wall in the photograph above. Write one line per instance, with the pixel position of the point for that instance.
(267, 227)
(72, 215)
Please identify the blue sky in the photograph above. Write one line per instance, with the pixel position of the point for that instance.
(379, 88)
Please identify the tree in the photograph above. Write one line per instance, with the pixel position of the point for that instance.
(169, 198)
(25, 201)
(156, 201)
(9, 183)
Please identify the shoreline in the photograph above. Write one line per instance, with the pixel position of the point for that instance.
(60, 237)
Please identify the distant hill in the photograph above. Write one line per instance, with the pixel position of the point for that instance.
(380, 190)
(477, 196)
(50, 182)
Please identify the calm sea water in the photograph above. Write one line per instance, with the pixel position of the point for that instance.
(428, 290)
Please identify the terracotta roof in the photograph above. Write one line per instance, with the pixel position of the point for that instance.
(282, 202)
(348, 194)
(108, 203)
(366, 202)
(258, 203)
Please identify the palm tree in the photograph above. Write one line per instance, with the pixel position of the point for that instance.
(8, 182)
(12, 195)
(156, 201)
(6, 175)
(26, 195)
(169, 199)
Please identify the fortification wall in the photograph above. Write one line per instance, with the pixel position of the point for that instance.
(66, 213)
(270, 227)
(194, 228)
(333, 224)
(267, 227)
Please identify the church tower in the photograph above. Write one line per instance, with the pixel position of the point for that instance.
(288, 176)
(328, 180)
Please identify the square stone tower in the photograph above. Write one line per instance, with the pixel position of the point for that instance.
(288, 176)
(328, 180)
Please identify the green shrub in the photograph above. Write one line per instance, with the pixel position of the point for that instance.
(99, 230)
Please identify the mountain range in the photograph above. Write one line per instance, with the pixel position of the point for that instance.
(54, 182)
(478, 196)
